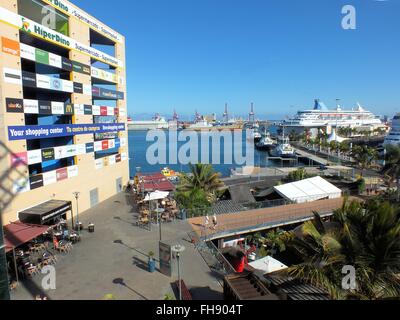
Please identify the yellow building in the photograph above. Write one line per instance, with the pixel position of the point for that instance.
(62, 108)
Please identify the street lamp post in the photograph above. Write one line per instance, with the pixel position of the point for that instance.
(141, 181)
(178, 249)
(159, 219)
(76, 194)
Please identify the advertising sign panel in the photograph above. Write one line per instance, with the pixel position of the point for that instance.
(34, 156)
(48, 154)
(49, 178)
(62, 174)
(60, 130)
(10, 46)
(31, 106)
(14, 105)
(19, 159)
(35, 181)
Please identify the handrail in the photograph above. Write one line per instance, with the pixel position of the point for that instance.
(230, 269)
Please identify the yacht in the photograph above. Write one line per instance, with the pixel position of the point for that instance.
(284, 148)
(266, 143)
(321, 116)
(255, 134)
(394, 134)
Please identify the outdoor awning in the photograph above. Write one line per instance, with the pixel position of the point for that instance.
(157, 195)
(45, 212)
(155, 181)
(18, 233)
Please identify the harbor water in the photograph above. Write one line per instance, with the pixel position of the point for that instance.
(139, 146)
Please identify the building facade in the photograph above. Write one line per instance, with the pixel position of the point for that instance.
(62, 107)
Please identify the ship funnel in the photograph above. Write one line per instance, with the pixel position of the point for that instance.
(359, 108)
(319, 105)
(316, 104)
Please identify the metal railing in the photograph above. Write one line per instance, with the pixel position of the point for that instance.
(225, 267)
(211, 255)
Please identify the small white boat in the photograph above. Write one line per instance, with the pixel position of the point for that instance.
(284, 149)
(266, 143)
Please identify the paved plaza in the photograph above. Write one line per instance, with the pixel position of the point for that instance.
(113, 260)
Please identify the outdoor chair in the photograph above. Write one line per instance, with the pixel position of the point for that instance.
(143, 221)
(61, 248)
(32, 271)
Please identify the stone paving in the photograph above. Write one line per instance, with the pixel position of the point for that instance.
(113, 260)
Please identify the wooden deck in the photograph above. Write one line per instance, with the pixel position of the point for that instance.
(254, 220)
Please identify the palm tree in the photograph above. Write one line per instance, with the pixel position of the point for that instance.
(276, 240)
(344, 147)
(363, 235)
(392, 166)
(255, 238)
(320, 253)
(334, 145)
(202, 177)
(370, 238)
(195, 201)
(364, 156)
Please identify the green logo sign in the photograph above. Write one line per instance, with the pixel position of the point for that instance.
(25, 25)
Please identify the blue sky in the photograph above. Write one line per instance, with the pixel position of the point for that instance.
(279, 54)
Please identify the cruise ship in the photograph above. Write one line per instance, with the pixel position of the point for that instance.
(321, 116)
(394, 134)
(156, 123)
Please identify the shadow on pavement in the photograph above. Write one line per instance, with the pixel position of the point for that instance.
(121, 282)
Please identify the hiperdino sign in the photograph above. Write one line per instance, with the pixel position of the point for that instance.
(45, 33)
(71, 10)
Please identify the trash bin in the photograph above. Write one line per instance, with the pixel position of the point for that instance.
(91, 227)
(183, 214)
(78, 226)
(151, 265)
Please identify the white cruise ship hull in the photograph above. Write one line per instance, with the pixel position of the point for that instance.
(393, 138)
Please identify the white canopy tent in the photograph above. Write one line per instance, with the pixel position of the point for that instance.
(335, 137)
(156, 195)
(308, 190)
(267, 265)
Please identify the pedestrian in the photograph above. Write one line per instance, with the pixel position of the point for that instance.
(214, 220)
(206, 221)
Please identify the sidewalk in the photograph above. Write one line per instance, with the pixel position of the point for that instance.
(113, 260)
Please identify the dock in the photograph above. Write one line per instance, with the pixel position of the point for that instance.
(314, 158)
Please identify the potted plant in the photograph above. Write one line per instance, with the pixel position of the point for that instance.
(151, 263)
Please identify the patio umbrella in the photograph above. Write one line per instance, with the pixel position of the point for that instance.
(156, 195)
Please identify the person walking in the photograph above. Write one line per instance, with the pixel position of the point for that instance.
(206, 221)
(214, 220)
